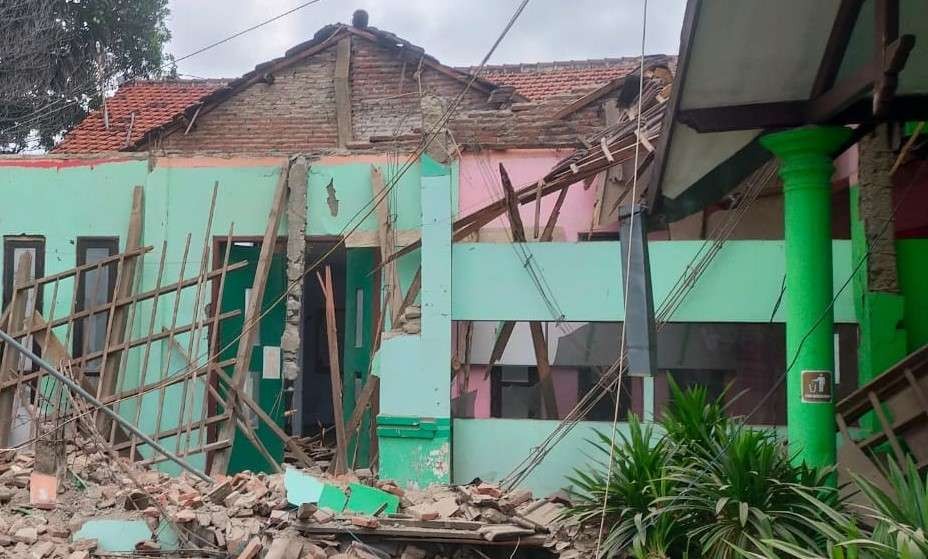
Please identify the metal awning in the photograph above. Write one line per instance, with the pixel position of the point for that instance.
(749, 66)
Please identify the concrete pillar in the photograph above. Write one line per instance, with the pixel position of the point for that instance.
(878, 304)
(806, 166)
(291, 356)
(414, 425)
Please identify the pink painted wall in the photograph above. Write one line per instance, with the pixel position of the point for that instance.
(565, 389)
(480, 185)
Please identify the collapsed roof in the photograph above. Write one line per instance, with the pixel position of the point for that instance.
(534, 98)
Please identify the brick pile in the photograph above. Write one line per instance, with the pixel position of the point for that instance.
(253, 516)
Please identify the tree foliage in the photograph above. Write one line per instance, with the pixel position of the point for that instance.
(59, 57)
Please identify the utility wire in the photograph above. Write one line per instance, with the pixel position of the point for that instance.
(91, 86)
(627, 272)
(355, 221)
(243, 31)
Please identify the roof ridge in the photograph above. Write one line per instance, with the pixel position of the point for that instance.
(556, 65)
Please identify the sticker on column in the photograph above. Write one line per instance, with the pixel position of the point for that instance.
(817, 387)
(271, 362)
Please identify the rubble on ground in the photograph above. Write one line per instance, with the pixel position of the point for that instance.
(301, 514)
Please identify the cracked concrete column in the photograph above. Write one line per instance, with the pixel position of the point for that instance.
(878, 302)
(291, 358)
(876, 209)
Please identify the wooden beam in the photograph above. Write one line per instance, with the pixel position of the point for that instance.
(538, 341)
(364, 400)
(124, 289)
(548, 234)
(83, 268)
(784, 114)
(836, 100)
(544, 370)
(338, 407)
(499, 346)
(412, 292)
(594, 95)
(386, 240)
(251, 320)
(833, 56)
(9, 365)
(242, 396)
(343, 90)
(144, 296)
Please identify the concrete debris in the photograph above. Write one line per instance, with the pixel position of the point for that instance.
(410, 322)
(101, 507)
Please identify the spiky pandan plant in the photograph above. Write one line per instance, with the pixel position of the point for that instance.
(743, 488)
(703, 488)
(640, 462)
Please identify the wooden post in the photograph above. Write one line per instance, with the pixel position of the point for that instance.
(343, 91)
(538, 339)
(251, 320)
(331, 331)
(10, 363)
(386, 239)
(124, 288)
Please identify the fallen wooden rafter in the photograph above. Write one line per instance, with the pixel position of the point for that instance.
(340, 464)
(221, 458)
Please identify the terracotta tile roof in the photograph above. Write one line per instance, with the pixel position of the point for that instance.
(541, 80)
(154, 104)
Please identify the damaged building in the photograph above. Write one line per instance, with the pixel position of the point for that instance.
(356, 258)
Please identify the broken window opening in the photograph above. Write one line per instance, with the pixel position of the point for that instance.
(13, 249)
(96, 287)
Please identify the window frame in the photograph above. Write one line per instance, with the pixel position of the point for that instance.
(497, 383)
(10, 244)
(83, 244)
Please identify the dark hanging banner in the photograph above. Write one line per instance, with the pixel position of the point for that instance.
(640, 335)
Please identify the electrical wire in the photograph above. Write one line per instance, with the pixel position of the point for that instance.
(628, 275)
(684, 285)
(355, 221)
(91, 85)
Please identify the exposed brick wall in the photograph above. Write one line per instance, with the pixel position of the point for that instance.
(529, 124)
(294, 113)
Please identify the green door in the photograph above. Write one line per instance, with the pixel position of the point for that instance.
(265, 381)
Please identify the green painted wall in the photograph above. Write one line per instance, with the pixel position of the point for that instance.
(413, 427)
(912, 266)
(62, 200)
(741, 285)
(489, 449)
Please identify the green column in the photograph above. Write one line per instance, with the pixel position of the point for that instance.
(806, 167)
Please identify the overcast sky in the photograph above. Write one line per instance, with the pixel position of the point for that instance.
(457, 32)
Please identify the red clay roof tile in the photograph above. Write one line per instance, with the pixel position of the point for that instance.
(153, 103)
(541, 80)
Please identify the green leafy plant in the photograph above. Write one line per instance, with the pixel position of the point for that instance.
(743, 488)
(893, 526)
(703, 488)
(639, 466)
(693, 419)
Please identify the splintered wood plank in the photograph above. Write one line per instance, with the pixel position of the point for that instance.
(331, 331)
(499, 346)
(9, 365)
(221, 457)
(124, 288)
